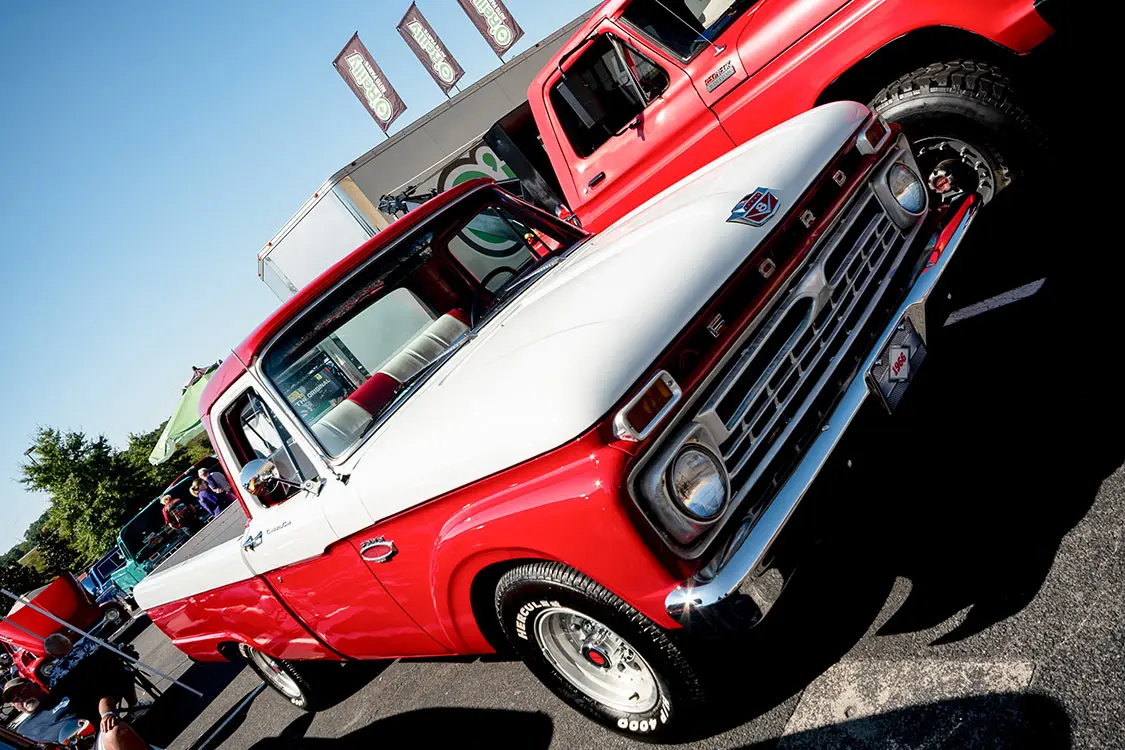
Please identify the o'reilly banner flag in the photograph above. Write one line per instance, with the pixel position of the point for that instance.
(366, 80)
(431, 52)
(494, 22)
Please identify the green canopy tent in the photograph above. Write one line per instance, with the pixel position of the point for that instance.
(184, 423)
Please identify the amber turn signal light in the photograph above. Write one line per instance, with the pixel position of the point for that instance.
(637, 419)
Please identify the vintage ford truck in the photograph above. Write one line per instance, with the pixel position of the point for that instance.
(488, 425)
(648, 91)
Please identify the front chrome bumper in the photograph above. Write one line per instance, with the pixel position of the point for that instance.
(728, 592)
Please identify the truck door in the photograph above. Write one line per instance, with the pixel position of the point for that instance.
(631, 125)
(292, 546)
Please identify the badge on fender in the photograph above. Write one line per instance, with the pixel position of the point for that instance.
(755, 209)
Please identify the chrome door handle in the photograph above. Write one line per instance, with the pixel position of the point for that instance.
(377, 550)
(250, 542)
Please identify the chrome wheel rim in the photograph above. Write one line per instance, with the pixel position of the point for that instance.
(939, 153)
(273, 674)
(596, 660)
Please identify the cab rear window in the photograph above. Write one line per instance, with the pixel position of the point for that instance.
(603, 92)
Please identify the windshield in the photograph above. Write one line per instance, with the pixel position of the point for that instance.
(354, 356)
(684, 27)
(103, 569)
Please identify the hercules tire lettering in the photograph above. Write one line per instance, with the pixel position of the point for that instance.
(525, 592)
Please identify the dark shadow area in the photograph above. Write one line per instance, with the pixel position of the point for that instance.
(176, 708)
(1002, 721)
(429, 727)
(174, 712)
(968, 490)
(338, 681)
(228, 723)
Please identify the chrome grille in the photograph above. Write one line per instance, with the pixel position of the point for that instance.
(777, 385)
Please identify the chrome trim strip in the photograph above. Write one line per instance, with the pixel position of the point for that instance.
(744, 556)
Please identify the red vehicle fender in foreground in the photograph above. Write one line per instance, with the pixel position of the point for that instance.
(565, 506)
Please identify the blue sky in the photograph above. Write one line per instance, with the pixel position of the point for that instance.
(147, 152)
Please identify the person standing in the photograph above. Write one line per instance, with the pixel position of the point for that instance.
(178, 514)
(207, 499)
(217, 482)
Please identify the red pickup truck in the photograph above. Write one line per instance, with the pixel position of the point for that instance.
(487, 428)
(648, 91)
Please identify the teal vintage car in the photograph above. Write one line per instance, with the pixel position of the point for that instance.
(147, 540)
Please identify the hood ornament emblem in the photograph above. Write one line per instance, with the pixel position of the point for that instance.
(755, 209)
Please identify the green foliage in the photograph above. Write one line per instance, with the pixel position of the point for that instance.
(94, 489)
(19, 579)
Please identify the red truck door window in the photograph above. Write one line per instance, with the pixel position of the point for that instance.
(628, 120)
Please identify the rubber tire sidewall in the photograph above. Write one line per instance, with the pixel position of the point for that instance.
(1007, 140)
(306, 702)
(533, 597)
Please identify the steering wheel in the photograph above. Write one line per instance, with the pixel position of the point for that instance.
(478, 295)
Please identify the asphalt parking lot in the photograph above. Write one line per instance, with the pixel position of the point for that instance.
(968, 592)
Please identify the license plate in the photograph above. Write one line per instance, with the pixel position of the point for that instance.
(900, 360)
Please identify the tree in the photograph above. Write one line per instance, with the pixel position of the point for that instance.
(94, 489)
(19, 580)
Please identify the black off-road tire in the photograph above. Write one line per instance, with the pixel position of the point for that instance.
(527, 592)
(970, 101)
(308, 698)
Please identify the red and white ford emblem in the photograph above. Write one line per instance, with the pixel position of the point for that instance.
(756, 208)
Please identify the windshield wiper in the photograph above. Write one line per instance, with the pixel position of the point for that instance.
(522, 279)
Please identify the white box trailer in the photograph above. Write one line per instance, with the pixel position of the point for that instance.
(435, 152)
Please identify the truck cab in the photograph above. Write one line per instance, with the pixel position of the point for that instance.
(648, 91)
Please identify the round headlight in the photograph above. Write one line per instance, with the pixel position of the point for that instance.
(696, 482)
(907, 188)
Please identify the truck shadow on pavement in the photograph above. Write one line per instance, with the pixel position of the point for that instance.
(967, 492)
(176, 708)
(429, 727)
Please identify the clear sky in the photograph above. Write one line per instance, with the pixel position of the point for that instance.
(148, 150)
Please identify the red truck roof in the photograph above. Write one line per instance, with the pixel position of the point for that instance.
(252, 346)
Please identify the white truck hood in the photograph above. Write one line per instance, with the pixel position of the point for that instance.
(562, 354)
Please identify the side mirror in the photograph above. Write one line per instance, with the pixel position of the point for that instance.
(259, 477)
(262, 477)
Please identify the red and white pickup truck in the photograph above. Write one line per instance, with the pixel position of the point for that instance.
(648, 91)
(486, 425)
